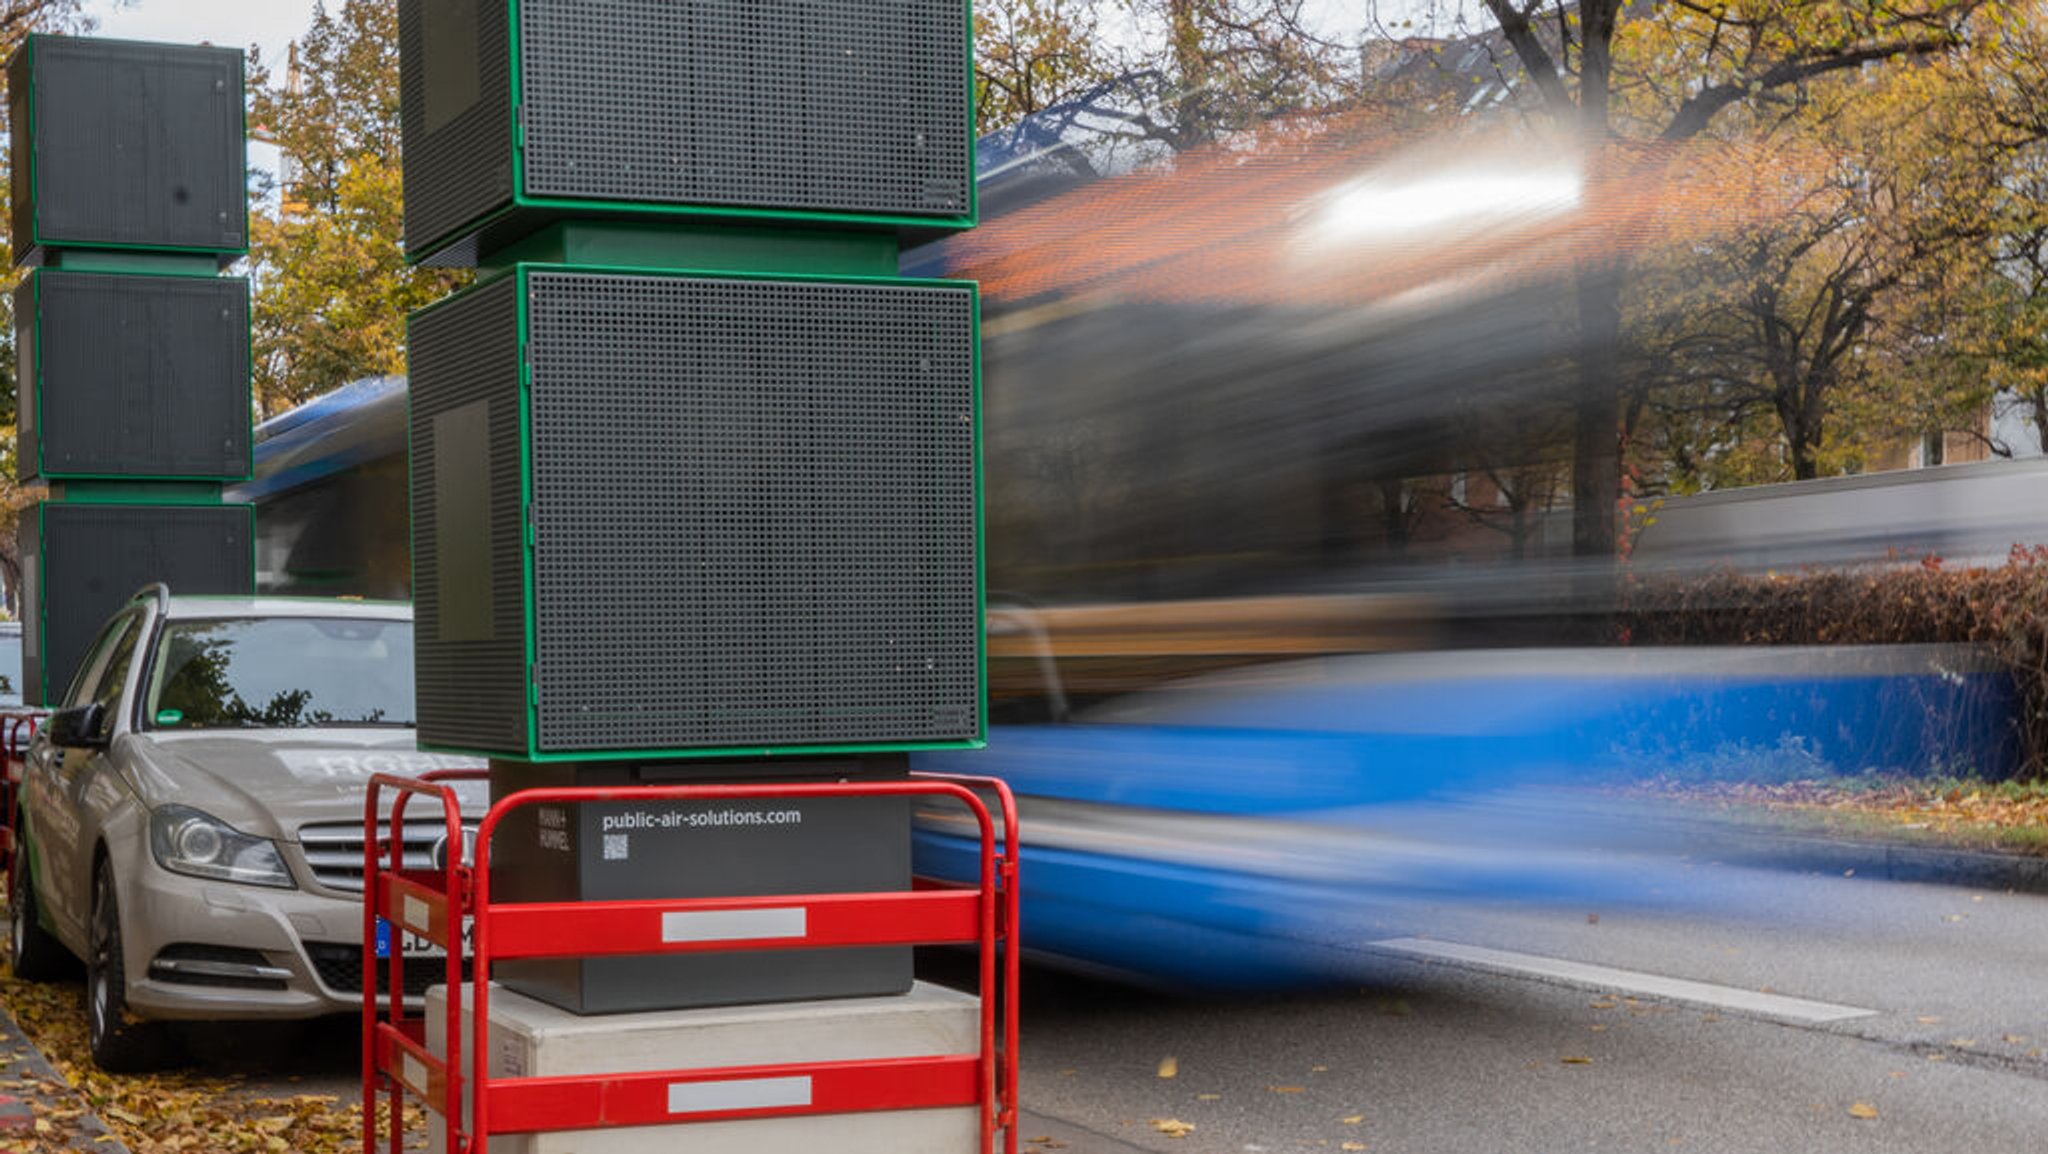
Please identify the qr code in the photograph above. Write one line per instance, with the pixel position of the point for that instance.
(615, 847)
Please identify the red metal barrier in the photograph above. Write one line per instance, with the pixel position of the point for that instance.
(435, 904)
(16, 729)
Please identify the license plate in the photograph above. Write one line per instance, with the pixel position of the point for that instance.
(412, 945)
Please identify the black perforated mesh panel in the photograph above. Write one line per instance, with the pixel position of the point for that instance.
(455, 107)
(826, 106)
(83, 562)
(755, 512)
(135, 376)
(132, 145)
(468, 610)
(843, 105)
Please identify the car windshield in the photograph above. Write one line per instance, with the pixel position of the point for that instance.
(281, 673)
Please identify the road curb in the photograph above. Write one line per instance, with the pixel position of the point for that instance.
(39, 1093)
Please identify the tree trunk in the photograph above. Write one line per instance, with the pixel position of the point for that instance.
(1804, 466)
(1596, 443)
(1394, 515)
(1191, 127)
(1802, 437)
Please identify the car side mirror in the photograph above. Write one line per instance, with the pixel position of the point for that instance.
(79, 728)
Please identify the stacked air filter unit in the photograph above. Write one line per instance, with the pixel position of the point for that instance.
(695, 475)
(133, 351)
(805, 113)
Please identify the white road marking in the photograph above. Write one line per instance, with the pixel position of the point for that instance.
(1631, 981)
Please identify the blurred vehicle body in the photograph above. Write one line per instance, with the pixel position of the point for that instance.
(1965, 515)
(1207, 384)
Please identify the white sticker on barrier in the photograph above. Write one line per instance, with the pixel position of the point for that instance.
(414, 1072)
(745, 1094)
(416, 915)
(734, 925)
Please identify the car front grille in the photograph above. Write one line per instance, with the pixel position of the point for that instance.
(341, 969)
(334, 850)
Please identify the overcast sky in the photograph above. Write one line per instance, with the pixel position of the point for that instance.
(269, 23)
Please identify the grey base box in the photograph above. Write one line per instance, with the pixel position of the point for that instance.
(529, 1040)
(619, 851)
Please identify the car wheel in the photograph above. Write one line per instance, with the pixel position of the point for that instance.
(34, 954)
(121, 1043)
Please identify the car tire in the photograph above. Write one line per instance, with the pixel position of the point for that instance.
(121, 1043)
(33, 952)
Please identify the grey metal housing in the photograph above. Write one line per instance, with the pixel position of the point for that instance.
(98, 555)
(753, 520)
(142, 377)
(127, 145)
(840, 109)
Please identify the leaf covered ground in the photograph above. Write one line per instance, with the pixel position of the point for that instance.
(179, 1112)
(2009, 816)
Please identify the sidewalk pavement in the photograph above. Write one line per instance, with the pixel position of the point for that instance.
(39, 1111)
(41, 1114)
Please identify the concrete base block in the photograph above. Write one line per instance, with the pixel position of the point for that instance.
(534, 1039)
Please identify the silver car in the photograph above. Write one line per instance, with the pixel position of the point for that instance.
(193, 814)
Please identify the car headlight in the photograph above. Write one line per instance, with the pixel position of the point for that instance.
(187, 841)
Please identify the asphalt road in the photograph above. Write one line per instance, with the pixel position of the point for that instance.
(1949, 989)
(1825, 1013)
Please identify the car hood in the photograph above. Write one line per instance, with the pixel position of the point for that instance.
(269, 783)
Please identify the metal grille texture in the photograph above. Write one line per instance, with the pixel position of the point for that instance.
(136, 376)
(458, 143)
(843, 107)
(135, 145)
(754, 515)
(92, 558)
(755, 511)
(471, 681)
(340, 967)
(334, 850)
(840, 105)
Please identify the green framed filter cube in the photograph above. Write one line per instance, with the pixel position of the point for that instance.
(694, 514)
(837, 113)
(125, 145)
(82, 561)
(132, 377)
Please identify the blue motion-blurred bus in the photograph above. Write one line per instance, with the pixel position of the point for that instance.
(1258, 690)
